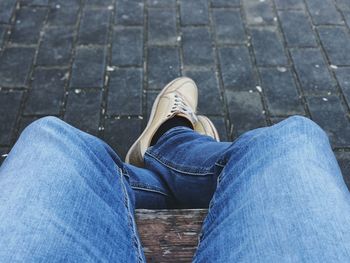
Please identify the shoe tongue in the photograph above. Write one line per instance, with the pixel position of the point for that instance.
(189, 116)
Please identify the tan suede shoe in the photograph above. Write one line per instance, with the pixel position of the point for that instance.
(178, 98)
(206, 127)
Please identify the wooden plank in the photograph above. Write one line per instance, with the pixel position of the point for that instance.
(170, 235)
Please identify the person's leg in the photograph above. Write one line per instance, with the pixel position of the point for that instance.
(188, 163)
(66, 196)
(280, 198)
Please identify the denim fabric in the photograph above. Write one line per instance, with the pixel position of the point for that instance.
(276, 194)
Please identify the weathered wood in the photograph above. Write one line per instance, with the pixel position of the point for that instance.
(169, 235)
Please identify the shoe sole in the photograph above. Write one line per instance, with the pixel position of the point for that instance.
(154, 107)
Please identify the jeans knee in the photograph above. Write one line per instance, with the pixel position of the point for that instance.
(44, 125)
(301, 126)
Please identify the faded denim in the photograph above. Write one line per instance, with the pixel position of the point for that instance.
(276, 194)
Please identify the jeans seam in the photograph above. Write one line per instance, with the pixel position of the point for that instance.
(132, 224)
(170, 166)
(147, 188)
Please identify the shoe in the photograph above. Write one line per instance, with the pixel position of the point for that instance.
(204, 126)
(178, 98)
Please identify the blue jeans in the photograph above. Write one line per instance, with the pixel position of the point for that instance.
(276, 194)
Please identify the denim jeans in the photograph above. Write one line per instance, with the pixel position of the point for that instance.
(276, 194)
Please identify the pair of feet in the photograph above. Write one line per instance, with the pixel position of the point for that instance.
(178, 98)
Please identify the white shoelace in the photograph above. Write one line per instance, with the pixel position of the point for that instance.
(181, 106)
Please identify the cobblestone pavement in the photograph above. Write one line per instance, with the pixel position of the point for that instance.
(98, 64)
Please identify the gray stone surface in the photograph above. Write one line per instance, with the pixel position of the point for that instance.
(245, 111)
(161, 26)
(194, 12)
(324, 109)
(297, 29)
(324, 12)
(268, 47)
(15, 66)
(83, 110)
(337, 51)
(127, 49)
(125, 92)
(312, 71)
(224, 31)
(88, 68)
(94, 27)
(197, 48)
(56, 46)
(163, 65)
(236, 68)
(46, 94)
(28, 24)
(280, 91)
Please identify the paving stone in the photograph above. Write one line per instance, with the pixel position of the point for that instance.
(6, 9)
(297, 29)
(220, 125)
(9, 107)
(47, 92)
(312, 71)
(324, 12)
(29, 22)
(161, 3)
(330, 115)
(281, 93)
(343, 77)
(83, 110)
(225, 32)
(347, 17)
(3, 30)
(194, 12)
(121, 134)
(197, 49)
(62, 14)
(344, 163)
(127, 49)
(150, 98)
(236, 68)
(289, 4)
(66, 3)
(161, 26)
(94, 27)
(336, 41)
(163, 65)
(258, 12)
(88, 68)
(99, 3)
(56, 47)
(245, 110)
(129, 12)
(35, 2)
(24, 123)
(343, 5)
(208, 89)
(268, 47)
(15, 65)
(125, 92)
(225, 3)
(275, 120)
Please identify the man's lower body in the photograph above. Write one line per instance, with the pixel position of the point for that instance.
(276, 194)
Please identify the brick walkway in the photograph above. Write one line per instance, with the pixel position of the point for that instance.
(99, 64)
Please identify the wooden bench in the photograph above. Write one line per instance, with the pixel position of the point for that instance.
(169, 235)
